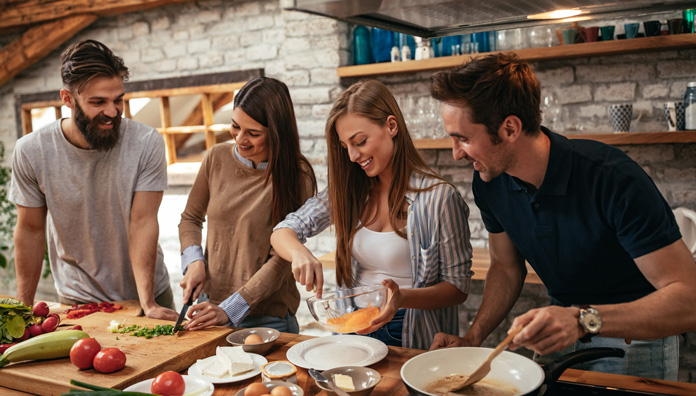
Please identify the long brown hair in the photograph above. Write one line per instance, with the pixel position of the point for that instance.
(349, 186)
(268, 102)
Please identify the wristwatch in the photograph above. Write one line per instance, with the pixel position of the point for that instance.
(590, 321)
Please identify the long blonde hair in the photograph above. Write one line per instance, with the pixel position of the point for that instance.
(349, 187)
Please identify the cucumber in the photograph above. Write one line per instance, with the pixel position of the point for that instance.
(52, 345)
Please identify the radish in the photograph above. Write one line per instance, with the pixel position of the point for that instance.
(49, 324)
(41, 309)
(4, 347)
(26, 335)
(36, 329)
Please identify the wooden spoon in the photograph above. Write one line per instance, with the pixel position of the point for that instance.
(485, 367)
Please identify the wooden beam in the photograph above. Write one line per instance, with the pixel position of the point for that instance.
(27, 126)
(166, 114)
(37, 42)
(16, 14)
(207, 107)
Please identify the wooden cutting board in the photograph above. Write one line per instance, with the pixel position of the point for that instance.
(146, 358)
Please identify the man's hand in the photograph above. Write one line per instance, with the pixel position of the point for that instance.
(444, 340)
(205, 315)
(194, 280)
(547, 329)
(160, 312)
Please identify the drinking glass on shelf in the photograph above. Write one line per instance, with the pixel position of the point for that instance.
(541, 36)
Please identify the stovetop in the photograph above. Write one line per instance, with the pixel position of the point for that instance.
(562, 388)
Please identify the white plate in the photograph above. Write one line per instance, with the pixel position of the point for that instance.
(259, 361)
(192, 384)
(329, 352)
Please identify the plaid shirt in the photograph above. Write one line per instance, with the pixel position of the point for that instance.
(438, 241)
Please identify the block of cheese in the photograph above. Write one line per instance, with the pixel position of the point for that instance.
(344, 382)
(236, 360)
(213, 368)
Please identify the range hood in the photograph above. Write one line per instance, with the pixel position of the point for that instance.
(436, 18)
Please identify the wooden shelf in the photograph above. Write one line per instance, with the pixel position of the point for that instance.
(613, 139)
(599, 48)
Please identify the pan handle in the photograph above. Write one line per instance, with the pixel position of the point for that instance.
(554, 370)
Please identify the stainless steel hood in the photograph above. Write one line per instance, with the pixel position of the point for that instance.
(435, 18)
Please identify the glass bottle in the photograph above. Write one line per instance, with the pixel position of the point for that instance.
(362, 46)
(690, 107)
(382, 43)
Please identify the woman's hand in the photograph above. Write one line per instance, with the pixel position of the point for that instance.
(194, 280)
(205, 315)
(394, 300)
(307, 270)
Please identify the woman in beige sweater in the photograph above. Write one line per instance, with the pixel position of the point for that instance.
(245, 189)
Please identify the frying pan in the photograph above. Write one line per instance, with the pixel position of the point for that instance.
(516, 370)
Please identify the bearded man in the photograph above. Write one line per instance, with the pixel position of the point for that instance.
(89, 187)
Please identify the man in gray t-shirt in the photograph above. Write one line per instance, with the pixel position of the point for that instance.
(89, 187)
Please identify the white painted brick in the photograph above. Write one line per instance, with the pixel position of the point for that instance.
(324, 76)
(652, 91)
(141, 29)
(187, 63)
(274, 36)
(125, 33)
(234, 56)
(211, 59)
(574, 94)
(647, 154)
(161, 23)
(290, 15)
(306, 145)
(244, 9)
(613, 73)
(310, 95)
(312, 60)
(166, 65)
(181, 35)
(275, 67)
(206, 16)
(261, 51)
(175, 50)
(258, 22)
(318, 27)
(677, 90)
(555, 77)
(321, 110)
(296, 78)
(310, 128)
(327, 42)
(226, 42)
(292, 46)
(197, 46)
(615, 92)
(250, 39)
(676, 68)
(151, 55)
(592, 110)
(196, 31)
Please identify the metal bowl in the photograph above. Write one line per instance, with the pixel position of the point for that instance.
(268, 335)
(348, 310)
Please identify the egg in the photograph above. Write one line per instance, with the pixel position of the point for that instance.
(281, 391)
(253, 339)
(256, 389)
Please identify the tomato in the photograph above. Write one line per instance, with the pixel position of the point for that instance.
(83, 352)
(109, 360)
(169, 383)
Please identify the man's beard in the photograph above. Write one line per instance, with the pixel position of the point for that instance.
(97, 138)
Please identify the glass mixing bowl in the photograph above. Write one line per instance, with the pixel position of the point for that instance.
(348, 310)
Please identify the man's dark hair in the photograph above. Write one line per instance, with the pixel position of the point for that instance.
(83, 61)
(493, 87)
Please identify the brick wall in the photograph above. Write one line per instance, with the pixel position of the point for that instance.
(304, 50)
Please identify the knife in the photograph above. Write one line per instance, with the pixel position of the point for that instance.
(319, 377)
(182, 315)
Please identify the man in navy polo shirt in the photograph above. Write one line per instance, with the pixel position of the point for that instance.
(588, 219)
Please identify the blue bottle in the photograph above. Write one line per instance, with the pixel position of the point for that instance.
(382, 43)
(362, 46)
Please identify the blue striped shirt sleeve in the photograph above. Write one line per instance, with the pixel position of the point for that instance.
(236, 308)
(191, 254)
(310, 219)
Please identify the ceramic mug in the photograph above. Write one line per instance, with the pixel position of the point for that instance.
(676, 26)
(652, 28)
(621, 116)
(607, 33)
(591, 33)
(570, 36)
(674, 114)
(631, 30)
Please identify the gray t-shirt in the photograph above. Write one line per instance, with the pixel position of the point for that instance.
(89, 194)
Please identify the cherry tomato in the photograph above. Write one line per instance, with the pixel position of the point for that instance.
(169, 383)
(109, 360)
(83, 352)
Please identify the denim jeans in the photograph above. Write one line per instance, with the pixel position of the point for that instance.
(658, 359)
(390, 333)
(288, 324)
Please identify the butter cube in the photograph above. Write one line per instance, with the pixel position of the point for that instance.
(344, 382)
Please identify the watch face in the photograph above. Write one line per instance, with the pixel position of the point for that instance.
(591, 321)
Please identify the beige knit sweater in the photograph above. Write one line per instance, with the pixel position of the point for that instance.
(238, 249)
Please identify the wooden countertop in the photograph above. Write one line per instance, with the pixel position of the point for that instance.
(480, 263)
(391, 383)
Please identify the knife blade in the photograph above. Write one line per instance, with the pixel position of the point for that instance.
(319, 377)
(182, 315)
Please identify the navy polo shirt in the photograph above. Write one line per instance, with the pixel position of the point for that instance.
(595, 211)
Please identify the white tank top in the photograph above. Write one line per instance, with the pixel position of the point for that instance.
(381, 255)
